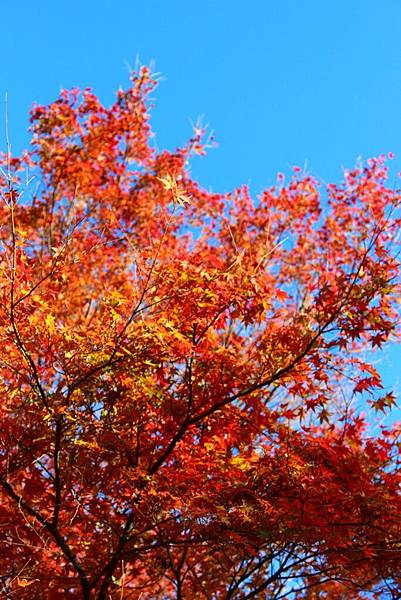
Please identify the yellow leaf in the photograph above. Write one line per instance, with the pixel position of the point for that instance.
(50, 323)
(170, 184)
(86, 444)
(25, 582)
(240, 462)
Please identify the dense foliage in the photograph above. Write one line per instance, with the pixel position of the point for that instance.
(181, 372)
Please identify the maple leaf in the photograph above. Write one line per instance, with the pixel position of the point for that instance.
(22, 582)
(170, 184)
(378, 340)
(367, 383)
(385, 402)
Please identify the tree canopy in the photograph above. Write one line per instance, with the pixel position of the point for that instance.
(183, 372)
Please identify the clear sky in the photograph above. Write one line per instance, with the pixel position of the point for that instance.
(281, 82)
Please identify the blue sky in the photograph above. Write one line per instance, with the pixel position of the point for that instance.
(280, 82)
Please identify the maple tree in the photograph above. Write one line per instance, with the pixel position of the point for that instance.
(181, 372)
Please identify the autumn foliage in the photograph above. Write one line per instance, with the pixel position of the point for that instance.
(182, 372)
